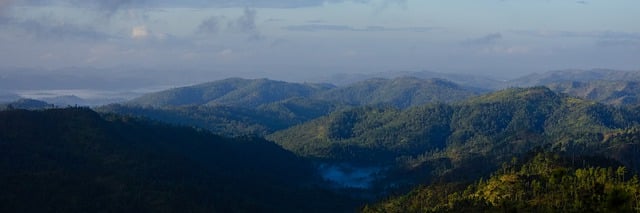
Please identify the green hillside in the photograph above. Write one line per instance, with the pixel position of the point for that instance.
(399, 92)
(544, 183)
(609, 92)
(260, 107)
(476, 134)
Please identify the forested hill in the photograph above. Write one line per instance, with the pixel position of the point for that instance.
(546, 182)
(260, 107)
(539, 79)
(400, 92)
(230, 92)
(482, 130)
(617, 93)
(75, 160)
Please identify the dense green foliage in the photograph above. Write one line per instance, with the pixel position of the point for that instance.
(232, 120)
(546, 183)
(260, 107)
(399, 92)
(394, 133)
(74, 160)
(505, 121)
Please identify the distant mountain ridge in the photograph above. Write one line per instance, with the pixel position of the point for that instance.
(608, 92)
(400, 92)
(261, 106)
(464, 79)
(232, 91)
(540, 79)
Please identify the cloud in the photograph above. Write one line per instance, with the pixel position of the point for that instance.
(112, 6)
(105, 7)
(49, 29)
(388, 3)
(109, 7)
(246, 23)
(507, 50)
(139, 32)
(327, 27)
(592, 34)
(253, 3)
(582, 2)
(211, 25)
(484, 40)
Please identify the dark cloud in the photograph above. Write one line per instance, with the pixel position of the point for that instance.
(582, 2)
(109, 7)
(327, 27)
(246, 23)
(484, 40)
(243, 24)
(46, 28)
(104, 7)
(211, 25)
(114, 5)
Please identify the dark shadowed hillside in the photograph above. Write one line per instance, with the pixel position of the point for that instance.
(74, 160)
(26, 104)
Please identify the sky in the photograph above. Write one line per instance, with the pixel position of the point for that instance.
(188, 41)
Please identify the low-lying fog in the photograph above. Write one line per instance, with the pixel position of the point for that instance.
(349, 176)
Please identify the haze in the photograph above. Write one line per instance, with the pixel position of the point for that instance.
(132, 44)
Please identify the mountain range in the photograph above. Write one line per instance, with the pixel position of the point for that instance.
(405, 144)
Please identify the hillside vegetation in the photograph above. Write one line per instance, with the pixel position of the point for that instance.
(74, 160)
(260, 107)
(545, 183)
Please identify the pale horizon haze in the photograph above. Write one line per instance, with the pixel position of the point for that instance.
(154, 42)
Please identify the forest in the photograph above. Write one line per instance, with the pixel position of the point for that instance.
(380, 145)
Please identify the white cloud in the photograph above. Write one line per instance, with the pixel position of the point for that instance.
(139, 32)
